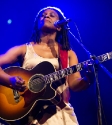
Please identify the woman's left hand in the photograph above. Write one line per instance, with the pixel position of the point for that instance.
(89, 73)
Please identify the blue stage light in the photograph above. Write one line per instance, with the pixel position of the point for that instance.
(9, 21)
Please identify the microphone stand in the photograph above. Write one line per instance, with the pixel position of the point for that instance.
(95, 67)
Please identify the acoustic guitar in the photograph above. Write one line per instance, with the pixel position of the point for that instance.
(42, 82)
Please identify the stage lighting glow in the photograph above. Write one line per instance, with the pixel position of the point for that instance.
(9, 21)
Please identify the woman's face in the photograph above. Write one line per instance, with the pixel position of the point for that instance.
(47, 19)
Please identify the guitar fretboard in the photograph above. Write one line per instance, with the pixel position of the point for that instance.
(75, 68)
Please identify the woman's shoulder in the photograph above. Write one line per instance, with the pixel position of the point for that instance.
(71, 53)
(18, 49)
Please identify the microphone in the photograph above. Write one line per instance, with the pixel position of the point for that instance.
(61, 22)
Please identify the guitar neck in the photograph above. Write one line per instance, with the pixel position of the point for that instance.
(75, 68)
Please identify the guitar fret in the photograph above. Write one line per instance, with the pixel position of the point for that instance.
(79, 67)
(61, 72)
(45, 79)
(65, 71)
(48, 79)
(51, 77)
(55, 76)
(103, 57)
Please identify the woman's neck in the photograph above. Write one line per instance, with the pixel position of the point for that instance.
(48, 39)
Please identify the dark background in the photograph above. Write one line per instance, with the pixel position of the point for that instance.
(94, 21)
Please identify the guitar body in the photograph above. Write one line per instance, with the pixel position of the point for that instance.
(10, 110)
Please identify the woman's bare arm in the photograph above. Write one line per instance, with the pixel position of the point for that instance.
(76, 82)
(9, 57)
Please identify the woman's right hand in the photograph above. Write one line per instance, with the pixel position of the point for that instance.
(17, 83)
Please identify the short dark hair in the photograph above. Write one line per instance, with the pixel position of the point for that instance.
(62, 36)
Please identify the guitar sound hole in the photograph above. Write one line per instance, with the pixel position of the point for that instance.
(36, 83)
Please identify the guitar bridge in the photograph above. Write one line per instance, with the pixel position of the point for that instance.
(16, 95)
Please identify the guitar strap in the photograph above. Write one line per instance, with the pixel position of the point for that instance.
(63, 63)
(63, 56)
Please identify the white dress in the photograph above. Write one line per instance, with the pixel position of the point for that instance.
(66, 116)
